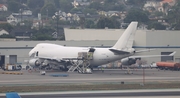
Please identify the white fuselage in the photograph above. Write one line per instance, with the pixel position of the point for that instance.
(100, 55)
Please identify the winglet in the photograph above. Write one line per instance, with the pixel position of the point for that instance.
(172, 54)
(12, 95)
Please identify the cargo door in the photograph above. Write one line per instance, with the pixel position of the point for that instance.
(12, 59)
(90, 53)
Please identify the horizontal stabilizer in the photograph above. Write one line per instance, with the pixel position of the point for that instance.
(144, 56)
(145, 50)
(120, 52)
(172, 54)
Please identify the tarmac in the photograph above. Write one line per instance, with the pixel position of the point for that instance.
(108, 76)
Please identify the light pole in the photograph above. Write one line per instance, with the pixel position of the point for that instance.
(57, 14)
(21, 14)
(47, 15)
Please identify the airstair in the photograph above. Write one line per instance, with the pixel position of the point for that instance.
(82, 63)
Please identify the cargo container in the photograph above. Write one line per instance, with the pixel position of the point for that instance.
(12, 67)
(168, 65)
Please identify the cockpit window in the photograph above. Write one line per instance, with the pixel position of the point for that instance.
(37, 53)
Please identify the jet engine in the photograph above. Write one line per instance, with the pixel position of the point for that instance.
(129, 61)
(45, 63)
(34, 62)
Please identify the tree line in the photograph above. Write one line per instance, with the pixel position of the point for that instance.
(48, 7)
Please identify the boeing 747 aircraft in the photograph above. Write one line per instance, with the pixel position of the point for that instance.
(47, 54)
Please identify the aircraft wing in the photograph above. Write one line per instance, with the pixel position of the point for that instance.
(12, 95)
(35, 55)
(120, 52)
(141, 56)
(58, 59)
(51, 58)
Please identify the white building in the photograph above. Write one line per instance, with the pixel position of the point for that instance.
(15, 18)
(26, 12)
(2, 31)
(3, 7)
(12, 20)
(158, 5)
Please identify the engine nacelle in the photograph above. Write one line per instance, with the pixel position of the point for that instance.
(129, 61)
(34, 62)
(45, 63)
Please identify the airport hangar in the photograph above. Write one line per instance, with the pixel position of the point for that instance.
(163, 41)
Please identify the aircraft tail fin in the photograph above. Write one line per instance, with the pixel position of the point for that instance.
(126, 40)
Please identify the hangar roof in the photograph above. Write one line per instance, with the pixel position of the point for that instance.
(30, 44)
(95, 34)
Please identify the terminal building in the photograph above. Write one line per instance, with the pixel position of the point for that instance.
(162, 41)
